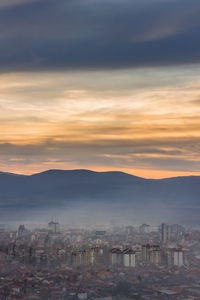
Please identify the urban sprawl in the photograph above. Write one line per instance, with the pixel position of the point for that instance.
(57, 262)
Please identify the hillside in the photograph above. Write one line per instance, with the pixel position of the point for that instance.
(58, 188)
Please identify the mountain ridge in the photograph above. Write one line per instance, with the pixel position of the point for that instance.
(117, 192)
(96, 172)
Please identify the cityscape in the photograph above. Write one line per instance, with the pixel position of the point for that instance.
(99, 149)
(57, 262)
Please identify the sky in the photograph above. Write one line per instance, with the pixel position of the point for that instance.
(100, 85)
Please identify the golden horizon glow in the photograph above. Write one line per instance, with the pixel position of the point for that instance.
(147, 174)
(142, 122)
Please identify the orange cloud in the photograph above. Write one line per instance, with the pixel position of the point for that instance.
(50, 121)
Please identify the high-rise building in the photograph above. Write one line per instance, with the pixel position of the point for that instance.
(177, 231)
(54, 227)
(165, 233)
(129, 258)
(125, 258)
(151, 254)
(144, 228)
(21, 231)
(174, 257)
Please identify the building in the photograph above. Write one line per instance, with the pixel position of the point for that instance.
(151, 254)
(144, 228)
(174, 257)
(100, 232)
(54, 227)
(129, 258)
(165, 233)
(21, 231)
(123, 257)
(177, 232)
(116, 257)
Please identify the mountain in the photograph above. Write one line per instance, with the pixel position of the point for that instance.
(115, 194)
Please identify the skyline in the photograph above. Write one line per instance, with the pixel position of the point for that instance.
(100, 85)
(103, 171)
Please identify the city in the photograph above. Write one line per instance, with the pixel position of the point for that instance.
(99, 150)
(56, 262)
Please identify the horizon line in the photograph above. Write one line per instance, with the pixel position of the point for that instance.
(94, 171)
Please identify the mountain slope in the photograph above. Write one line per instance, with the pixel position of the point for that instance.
(59, 188)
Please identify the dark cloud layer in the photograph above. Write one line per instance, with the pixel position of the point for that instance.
(93, 34)
(177, 154)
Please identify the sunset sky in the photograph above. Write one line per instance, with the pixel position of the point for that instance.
(102, 85)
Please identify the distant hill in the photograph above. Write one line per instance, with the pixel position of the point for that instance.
(118, 192)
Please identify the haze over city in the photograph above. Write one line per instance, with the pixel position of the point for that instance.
(99, 149)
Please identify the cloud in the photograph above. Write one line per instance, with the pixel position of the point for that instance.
(161, 153)
(94, 34)
(60, 120)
